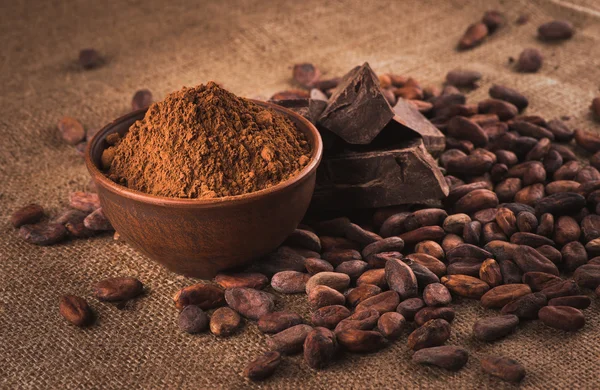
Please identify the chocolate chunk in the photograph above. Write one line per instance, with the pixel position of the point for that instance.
(408, 116)
(358, 109)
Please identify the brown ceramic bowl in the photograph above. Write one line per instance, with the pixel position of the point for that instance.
(200, 237)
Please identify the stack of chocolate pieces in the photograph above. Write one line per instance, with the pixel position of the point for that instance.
(375, 155)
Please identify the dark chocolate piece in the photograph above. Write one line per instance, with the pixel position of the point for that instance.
(311, 109)
(357, 110)
(408, 116)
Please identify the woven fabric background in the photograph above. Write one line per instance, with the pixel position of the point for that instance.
(249, 46)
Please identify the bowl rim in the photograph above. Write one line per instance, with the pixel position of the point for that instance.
(120, 190)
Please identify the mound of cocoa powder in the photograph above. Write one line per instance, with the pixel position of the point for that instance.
(206, 142)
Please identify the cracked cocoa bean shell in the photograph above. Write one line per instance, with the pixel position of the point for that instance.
(118, 289)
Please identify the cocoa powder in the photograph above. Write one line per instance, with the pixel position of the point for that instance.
(205, 142)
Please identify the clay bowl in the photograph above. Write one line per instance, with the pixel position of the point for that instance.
(202, 237)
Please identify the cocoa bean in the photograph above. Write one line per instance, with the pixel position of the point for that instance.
(335, 280)
(389, 244)
(475, 164)
(528, 260)
(364, 341)
(506, 157)
(321, 296)
(448, 357)
(546, 225)
(225, 322)
(383, 302)
(332, 227)
(460, 191)
(97, 221)
(464, 268)
(278, 321)
(118, 289)
(476, 200)
(551, 253)
(499, 296)
(539, 280)
(509, 95)
(263, 366)
(560, 204)
(490, 273)
(574, 255)
(530, 60)
(526, 222)
(430, 313)
(320, 347)
(463, 78)
(590, 226)
(467, 250)
(530, 239)
(75, 310)
(304, 239)
(375, 277)
(192, 320)
(561, 131)
(141, 99)
(526, 307)
(430, 262)
(494, 328)
(290, 282)
(529, 129)
(249, 302)
(252, 280)
(501, 250)
(565, 152)
(43, 233)
(430, 248)
(562, 317)
(496, 130)
(306, 74)
(587, 174)
(360, 293)
(205, 296)
(71, 130)
(507, 221)
(401, 279)
(561, 289)
(90, 58)
(555, 30)
(473, 36)
(455, 223)
(391, 325)
(290, 340)
(504, 110)
(472, 232)
(504, 368)
(30, 214)
(465, 129)
(363, 320)
(552, 162)
(432, 334)
(410, 307)
(358, 234)
(434, 233)
(394, 225)
(465, 286)
(423, 274)
(329, 316)
(282, 259)
(540, 150)
(562, 186)
(337, 243)
(588, 276)
(84, 201)
(568, 171)
(508, 188)
(337, 257)
(576, 301)
(451, 241)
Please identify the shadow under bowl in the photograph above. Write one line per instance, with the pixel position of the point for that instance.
(200, 237)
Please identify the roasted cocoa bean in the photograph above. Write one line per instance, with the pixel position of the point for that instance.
(391, 325)
(263, 366)
(252, 280)
(573, 255)
(465, 129)
(290, 282)
(508, 188)
(359, 294)
(434, 233)
(526, 222)
(430, 313)
(75, 310)
(277, 321)
(503, 109)
(282, 259)
(373, 276)
(530, 239)
(590, 226)
(27, 215)
(337, 257)
(504, 368)
(464, 268)
(43, 233)
(389, 244)
(472, 232)
(539, 280)
(473, 36)
(561, 289)
(84, 201)
(290, 340)
(555, 30)
(431, 249)
(526, 307)
(364, 341)
(551, 253)
(432, 334)
(337, 243)
(448, 357)
(192, 320)
(455, 223)
(249, 302)
(588, 276)
(494, 328)
(499, 296)
(304, 239)
(321, 296)
(465, 286)
(141, 99)
(560, 204)
(205, 296)
(528, 260)
(546, 225)
(383, 302)
(329, 316)
(225, 322)
(490, 272)
(429, 262)
(562, 317)
(332, 227)
(509, 95)
(552, 162)
(463, 78)
(530, 60)
(576, 301)
(362, 236)
(451, 241)
(71, 130)
(118, 289)
(363, 320)
(401, 279)
(424, 217)
(320, 347)
(335, 280)
(97, 221)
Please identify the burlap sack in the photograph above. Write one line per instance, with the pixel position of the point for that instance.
(249, 47)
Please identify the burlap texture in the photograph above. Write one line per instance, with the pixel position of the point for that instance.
(249, 46)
